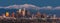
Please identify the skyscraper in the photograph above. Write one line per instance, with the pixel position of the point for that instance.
(54, 16)
(38, 14)
(23, 12)
(7, 14)
(44, 15)
(27, 14)
(13, 14)
(4, 15)
(19, 13)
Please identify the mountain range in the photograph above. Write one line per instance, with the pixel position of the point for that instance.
(49, 10)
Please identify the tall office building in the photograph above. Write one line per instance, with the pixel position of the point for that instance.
(18, 13)
(13, 14)
(32, 15)
(7, 14)
(38, 14)
(54, 16)
(44, 15)
(4, 15)
(28, 14)
(23, 12)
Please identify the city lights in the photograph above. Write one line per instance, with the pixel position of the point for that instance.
(25, 14)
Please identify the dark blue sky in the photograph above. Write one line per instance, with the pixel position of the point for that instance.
(34, 2)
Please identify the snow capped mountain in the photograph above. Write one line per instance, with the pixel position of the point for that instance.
(30, 6)
(27, 6)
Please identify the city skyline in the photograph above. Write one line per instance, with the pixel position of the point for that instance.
(29, 11)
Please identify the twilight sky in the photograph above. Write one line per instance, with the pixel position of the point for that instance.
(33, 2)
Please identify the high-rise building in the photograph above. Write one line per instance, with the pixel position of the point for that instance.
(23, 12)
(28, 13)
(44, 15)
(32, 15)
(18, 13)
(4, 15)
(13, 14)
(7, 14)
(38, 14)
(54, 16)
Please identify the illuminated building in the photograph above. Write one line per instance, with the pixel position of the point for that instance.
(19, 10)
(4, 15)
(32, 15)
(38, 14)
(23, 12)
(13, 14)
(7, 14)
(44, 15)
(28, 13)
(1, 17)
(18, 13)
(54, 16)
